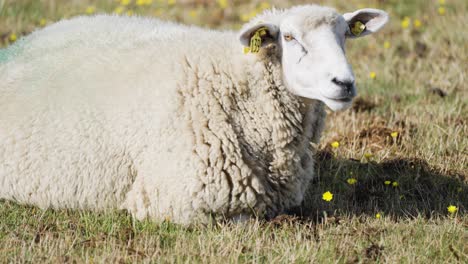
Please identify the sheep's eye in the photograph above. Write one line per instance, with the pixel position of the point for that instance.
(288, 37)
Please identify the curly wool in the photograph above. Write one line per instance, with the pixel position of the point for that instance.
(163, 120)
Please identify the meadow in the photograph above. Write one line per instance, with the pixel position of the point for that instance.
(393, 169)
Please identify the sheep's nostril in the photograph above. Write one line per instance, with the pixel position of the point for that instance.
(346, 85)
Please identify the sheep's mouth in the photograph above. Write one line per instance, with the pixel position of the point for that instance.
(341, 100)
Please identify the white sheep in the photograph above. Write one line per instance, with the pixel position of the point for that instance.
(173, 121)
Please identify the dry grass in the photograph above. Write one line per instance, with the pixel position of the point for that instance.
(420, 91)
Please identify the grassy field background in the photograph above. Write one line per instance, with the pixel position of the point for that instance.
(394, 163)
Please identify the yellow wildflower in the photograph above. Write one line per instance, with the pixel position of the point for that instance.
(90, 10)
(372, 75)
(171, 2)
(394, 134)
(42, 22)
(222, 4)
(351, 181)
(368, 155)
(335, 144)
(378, 215)
(441, 10)
(417, 23)
(327, 196)
(442, 2)
(144, 2)
(193, 13)
(395, 184)
(119, 10)
(253, 14)
(406, 22)
(13, 37)
(244, 17)
(125, 2)
(386, 44)
(158, 12)
(452, 209)
(387, 182)
(264, 5)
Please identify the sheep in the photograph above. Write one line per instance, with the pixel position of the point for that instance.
(169, 121)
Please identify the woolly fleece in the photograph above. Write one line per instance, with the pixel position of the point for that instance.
(160, 119)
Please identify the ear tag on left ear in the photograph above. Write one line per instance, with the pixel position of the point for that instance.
(256, 40)
(358, 28)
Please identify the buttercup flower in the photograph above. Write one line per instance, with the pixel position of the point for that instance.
(394, 134)
(378, 215)
(351, 181)
(406, 22)
(119, 10)
(452, 209)
(42, 22)
(335, 144)
(12, 37)
(90, 10)
(264, 5)
(327, 196)
(395, 184)
(386, 44)
(372, 75)
(441, 10)
(125, 2)
(222, 4)
(417, 23)
(193, 13)
(387, 182)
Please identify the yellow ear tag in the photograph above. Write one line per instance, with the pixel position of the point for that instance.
(358, 28)
(256, 40)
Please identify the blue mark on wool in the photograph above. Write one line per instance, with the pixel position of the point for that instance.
(3, 55)
(10, 52)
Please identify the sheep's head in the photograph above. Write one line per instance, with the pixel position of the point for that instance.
(311, 41)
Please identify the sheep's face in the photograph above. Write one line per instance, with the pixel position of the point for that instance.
(312, 44)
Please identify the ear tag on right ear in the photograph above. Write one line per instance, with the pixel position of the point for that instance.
(358, 28)
(256, 40)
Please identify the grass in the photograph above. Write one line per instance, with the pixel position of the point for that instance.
(419, 91)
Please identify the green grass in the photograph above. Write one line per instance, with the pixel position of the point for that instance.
(30, 235)
(420, 91)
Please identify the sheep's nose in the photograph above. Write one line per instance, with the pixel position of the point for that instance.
(346, 85)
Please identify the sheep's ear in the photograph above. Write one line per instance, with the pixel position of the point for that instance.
(365, 21)
(253, 37)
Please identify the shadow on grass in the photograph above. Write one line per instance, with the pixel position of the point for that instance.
(397, 188)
